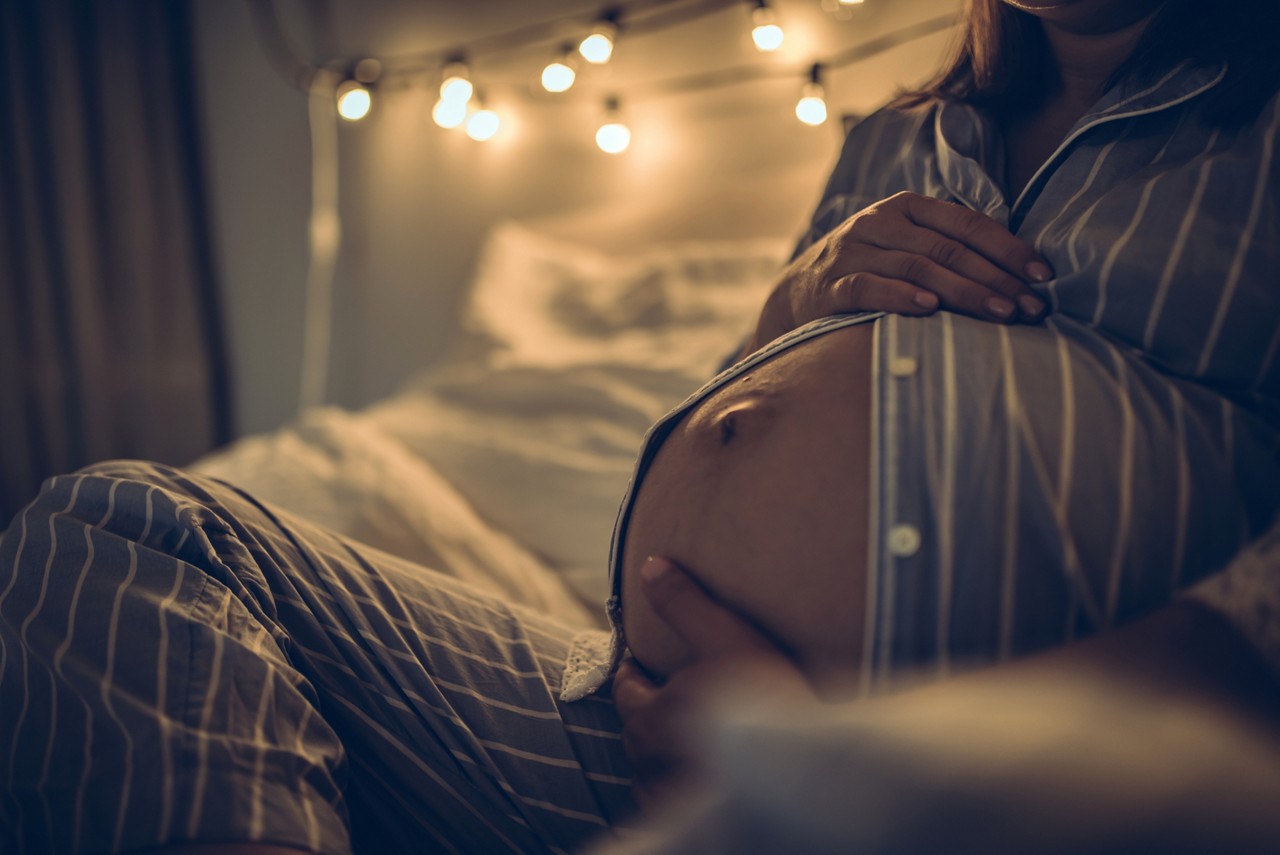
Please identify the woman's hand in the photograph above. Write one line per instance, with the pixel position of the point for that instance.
(909, 255)
(726, 654)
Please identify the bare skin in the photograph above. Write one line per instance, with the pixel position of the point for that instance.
(769, 472)
(1089, 39)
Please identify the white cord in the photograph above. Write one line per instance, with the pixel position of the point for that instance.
(324, 239)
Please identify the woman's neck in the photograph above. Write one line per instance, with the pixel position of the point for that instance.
(1086, 59)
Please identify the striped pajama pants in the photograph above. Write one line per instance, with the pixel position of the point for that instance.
(180, 664)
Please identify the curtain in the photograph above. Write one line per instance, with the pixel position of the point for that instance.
(111, 341)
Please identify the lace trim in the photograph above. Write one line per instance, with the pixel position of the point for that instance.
(593, 654)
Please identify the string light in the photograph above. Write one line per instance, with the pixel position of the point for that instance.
(449, 113)
(597, 47)
(456, 90)
(455, 84)
(812, 108)
(454, 108)
(765, 31)
(483, 123)
(613, 137)
(354, 100)
(559, 75)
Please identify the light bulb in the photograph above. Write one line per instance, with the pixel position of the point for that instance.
(598, 47)
(456, 83)
(557, 77)
(768, 37)
(613, 137)
(811, 108)
(483, 124)
(765, 31)
(850, 2)
(354, 101)
(449, 113)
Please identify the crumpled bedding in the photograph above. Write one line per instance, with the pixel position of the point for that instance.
(505, 464)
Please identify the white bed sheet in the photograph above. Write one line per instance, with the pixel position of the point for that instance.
(505, 464)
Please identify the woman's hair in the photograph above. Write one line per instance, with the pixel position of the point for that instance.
(1001, 60)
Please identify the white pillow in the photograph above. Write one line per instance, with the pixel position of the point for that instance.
(676, 307)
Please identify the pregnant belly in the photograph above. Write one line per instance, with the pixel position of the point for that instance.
(761, 493)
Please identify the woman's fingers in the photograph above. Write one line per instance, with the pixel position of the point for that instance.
(909, 255)
(652, 742)
(859, 290)
(709, 630)
(969, 260)
(727, 653)
(955, 256)
(978, 232)
(956, 292)
(640, 707)
(907, 284)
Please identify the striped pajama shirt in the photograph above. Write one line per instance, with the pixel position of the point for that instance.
(1032, 484)
(179, 663)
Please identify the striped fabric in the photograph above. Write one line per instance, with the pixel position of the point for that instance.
(179, 663)
(1162, 229)
(1036, 483)
(1065, 477)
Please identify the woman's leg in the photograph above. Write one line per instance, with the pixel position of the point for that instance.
(180, 664)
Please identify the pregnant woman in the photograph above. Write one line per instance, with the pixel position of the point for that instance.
(879, 493)
(1026, 483)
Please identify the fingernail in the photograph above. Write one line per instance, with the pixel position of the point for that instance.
(1030, 305)
(999, 307)
(925, 300)
(1039, 271)
(653, 569)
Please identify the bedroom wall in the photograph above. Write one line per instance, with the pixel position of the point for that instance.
(417, 201)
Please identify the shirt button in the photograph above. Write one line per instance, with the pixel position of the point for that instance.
(904, 540)
(903, 366)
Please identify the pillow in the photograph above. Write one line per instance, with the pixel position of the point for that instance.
(678, 307)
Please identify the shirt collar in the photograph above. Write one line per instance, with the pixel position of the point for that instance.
(1147, 95)
(970, 150)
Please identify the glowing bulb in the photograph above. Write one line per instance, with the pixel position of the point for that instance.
(456, 89)
(811, 108)
(557, 77)
(456, 85)
(768, 37)
(354, 101)
(449, 113)
(598, 47)
(483, 124)
(613, 137)
(850, 2)
(765, 32)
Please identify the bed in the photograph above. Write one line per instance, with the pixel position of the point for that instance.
(504, 464)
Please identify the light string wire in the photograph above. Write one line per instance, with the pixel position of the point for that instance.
(637, 17)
